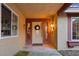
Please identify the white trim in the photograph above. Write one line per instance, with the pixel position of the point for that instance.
(7, 37)
(73, 19)
(11, 22)
(18, 26)
(12, 11)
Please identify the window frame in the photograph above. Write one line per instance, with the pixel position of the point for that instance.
(72, 28)
(12, 12)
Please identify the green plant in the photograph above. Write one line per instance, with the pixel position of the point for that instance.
(22, 53)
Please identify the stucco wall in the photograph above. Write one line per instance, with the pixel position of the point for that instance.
(54, 32)
(62, 33)
(11, 45)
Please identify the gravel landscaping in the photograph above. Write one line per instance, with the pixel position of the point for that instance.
(69, 52)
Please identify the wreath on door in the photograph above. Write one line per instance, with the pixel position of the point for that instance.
(37, 27)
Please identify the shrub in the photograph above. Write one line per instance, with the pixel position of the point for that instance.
(22, 53)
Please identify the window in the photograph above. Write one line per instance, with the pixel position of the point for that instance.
(9, 22)
(6, 22)
(75, 28)
(14, 24)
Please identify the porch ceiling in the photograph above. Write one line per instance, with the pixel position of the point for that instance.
(38, 10)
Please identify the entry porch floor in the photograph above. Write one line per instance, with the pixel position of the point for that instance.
(42, 51)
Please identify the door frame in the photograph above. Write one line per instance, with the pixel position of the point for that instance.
(30, 20)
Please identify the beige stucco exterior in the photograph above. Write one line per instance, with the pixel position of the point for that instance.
(62, 32)
(54, 31)
(58, 36)
(11, 45)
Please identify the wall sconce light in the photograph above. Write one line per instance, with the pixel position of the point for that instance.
(52, 27)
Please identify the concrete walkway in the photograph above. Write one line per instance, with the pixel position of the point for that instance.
(42, 51)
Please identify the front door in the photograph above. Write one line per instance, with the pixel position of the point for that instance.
(37, 32)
